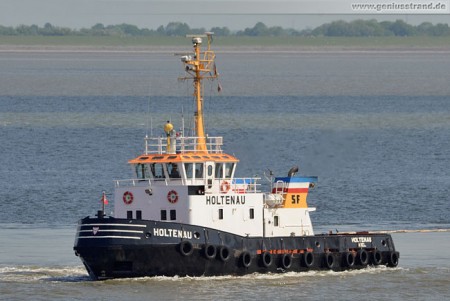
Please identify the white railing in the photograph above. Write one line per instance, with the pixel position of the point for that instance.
(181, 145)
(245, 185)
(132, 182)
(236, 185)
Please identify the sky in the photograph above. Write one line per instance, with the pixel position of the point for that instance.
(234, 14)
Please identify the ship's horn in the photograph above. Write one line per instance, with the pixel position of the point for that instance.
(293, 171)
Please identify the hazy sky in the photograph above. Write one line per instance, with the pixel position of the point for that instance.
(235, 14)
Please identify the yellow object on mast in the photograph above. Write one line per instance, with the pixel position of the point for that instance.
(199, 67)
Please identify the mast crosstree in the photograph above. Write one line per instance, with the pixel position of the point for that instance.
(198, 67)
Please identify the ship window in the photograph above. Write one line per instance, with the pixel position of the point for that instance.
(138, 214)
(172, 168)
(210, 170)
(129, 214)
(157, 170)
(163, 215)
(199, 170)
(221, 213)
(252, 213)
(171, 157)
(219, 169)
(142, 171)
(229, 170)
(276, 221)
(189, 167)
(173, 215)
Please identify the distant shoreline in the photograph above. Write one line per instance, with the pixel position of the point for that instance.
(226, 44)
(220, 49)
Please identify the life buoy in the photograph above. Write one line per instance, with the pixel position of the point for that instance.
(186, 248)
(224, 187)
(266, 259)
(224, 253)
(308, 259)
(172, 196)
(377, 257)
(393, 259)
(363, 257)
(246, 259)
(329, 260)
(127, 197)
(209, 251)
(349, 259)
(286, 261)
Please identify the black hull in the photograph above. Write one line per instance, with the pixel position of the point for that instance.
(119, 248)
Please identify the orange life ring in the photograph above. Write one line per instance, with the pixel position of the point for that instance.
(224, 187)
(127, 198)
(172, 196)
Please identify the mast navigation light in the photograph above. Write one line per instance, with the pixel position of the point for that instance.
(186, 58)
(196, 41)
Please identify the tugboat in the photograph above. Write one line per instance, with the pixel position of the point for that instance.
(185, 213)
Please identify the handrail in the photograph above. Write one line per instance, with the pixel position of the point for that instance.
(159, 145)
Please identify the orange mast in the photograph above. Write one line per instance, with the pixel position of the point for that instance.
(199, 67)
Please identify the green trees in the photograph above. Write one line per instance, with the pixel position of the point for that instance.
(356, 28)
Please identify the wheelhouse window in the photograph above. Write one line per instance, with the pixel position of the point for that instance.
(199, 170)
(172, 169)
(219, 170)
(210, 170)
(157, 170)
(229, 170)
(189, 168)
(142, 171)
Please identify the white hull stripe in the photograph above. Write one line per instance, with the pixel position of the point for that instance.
(113, 230)
(110, 236)
(122, 225)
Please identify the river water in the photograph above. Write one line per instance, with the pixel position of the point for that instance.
(374, 126)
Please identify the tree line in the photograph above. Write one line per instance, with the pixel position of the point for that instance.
(357, 28)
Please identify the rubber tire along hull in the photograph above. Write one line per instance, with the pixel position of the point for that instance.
(118, 248)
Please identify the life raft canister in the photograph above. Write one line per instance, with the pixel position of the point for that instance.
(224, 187)
(172, 196)
(127, 198)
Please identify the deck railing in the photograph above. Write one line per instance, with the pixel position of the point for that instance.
(237, 185)
(181, 145)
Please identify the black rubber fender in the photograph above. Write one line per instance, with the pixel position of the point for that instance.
(209, 251)
(308, 259)
(245, 259)
(186, 248)
(286, 261)
(377, 257)
(328, 260)
(363, 257)
(393, 259)
(266, 259)
(224, 253)
(348, 259)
